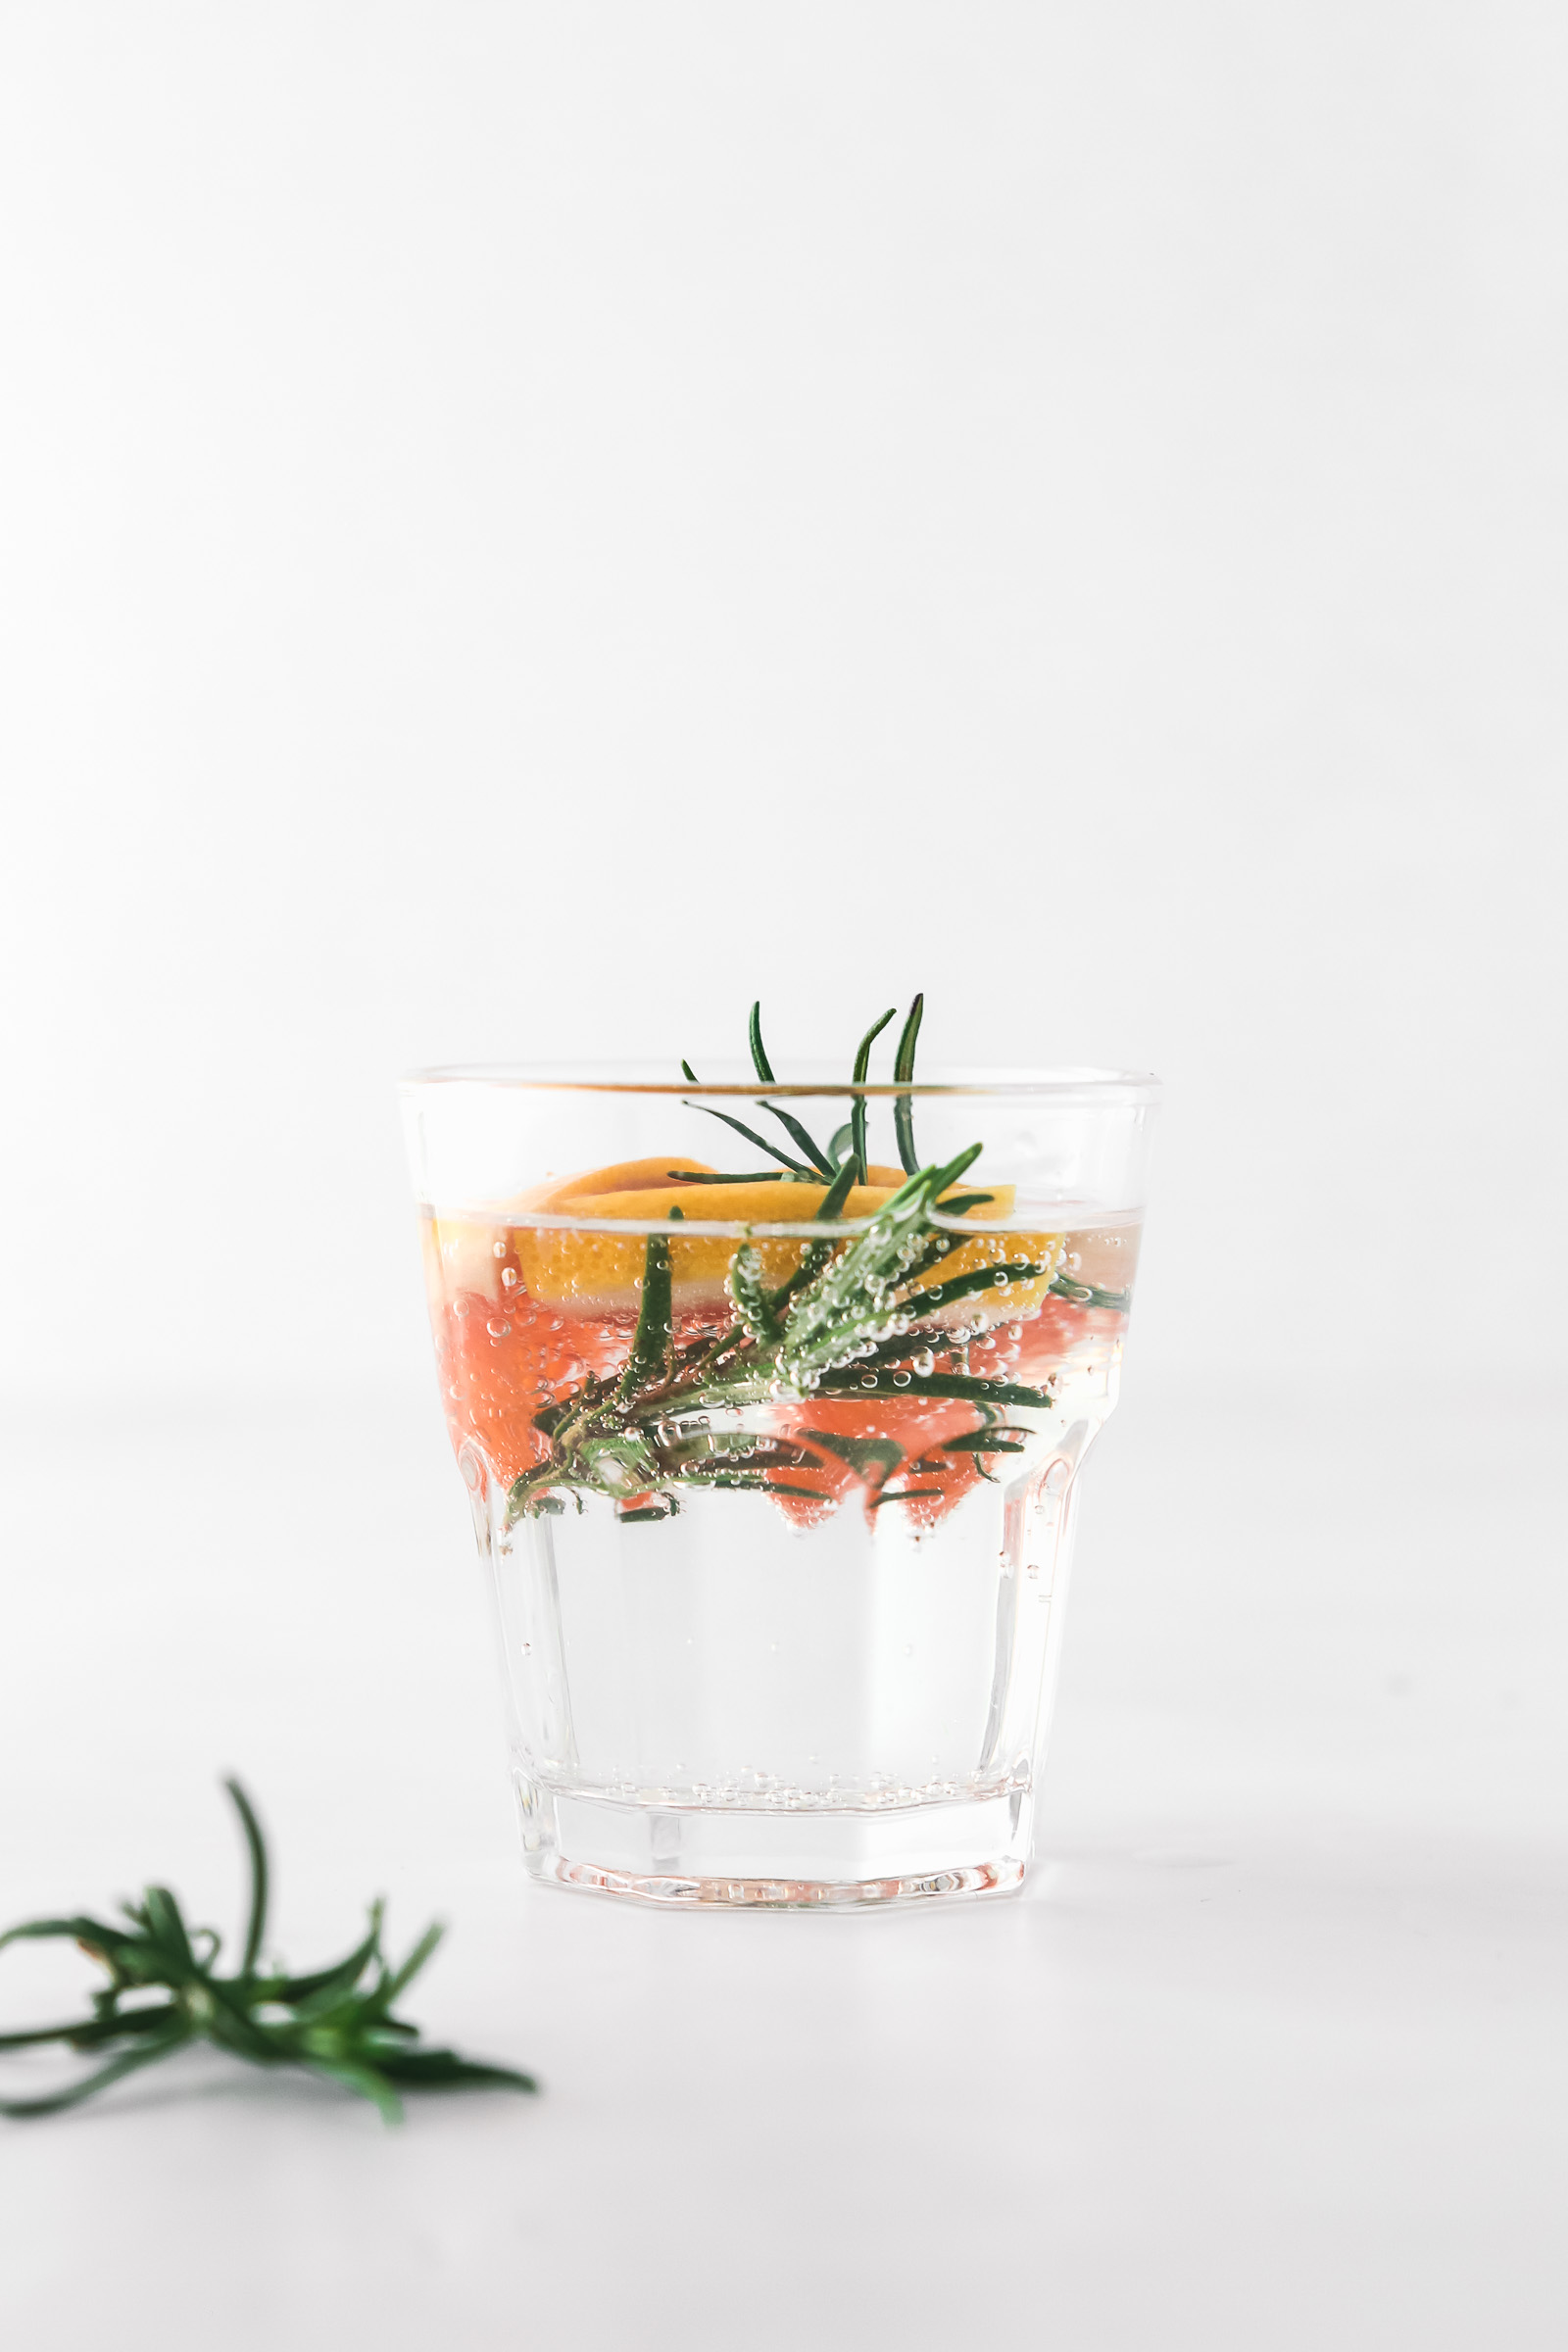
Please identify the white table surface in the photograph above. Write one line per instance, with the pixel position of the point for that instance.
(1270, 2055)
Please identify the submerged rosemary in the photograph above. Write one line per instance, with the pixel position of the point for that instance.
(847, 1319)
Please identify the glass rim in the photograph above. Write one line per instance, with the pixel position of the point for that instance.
(1067, 1085)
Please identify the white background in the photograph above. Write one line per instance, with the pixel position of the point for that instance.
(524, 527)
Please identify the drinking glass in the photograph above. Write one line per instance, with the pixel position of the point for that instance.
(777, 1505)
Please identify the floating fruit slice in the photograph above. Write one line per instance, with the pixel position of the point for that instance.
(582, 1272)
(590, 1272)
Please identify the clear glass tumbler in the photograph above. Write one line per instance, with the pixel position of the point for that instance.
(776, 1467)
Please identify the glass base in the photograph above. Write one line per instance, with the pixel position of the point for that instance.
(762, 1858)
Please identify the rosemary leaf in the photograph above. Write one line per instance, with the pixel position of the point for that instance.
(964, 1286)
(145, 2053)
(817, 1253)
(702, 1176)
(1088, 1294)
(758, 1483)
(861, 1454)
(793, 1128)
(444, 2070)
(957, 1387)
(862, 1063)
(837, 1191)
(751, 1137)
(328, 1985)
(903, 1073)
(753, 1301)
(256, 1855)
(754, 1031)
(649, 1360)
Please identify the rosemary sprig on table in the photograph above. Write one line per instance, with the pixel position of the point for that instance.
(336, 2022)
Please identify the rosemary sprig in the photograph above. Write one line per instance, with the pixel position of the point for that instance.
(836, 1328)
(336, 2022)
(851, 1321)
(851, 1300)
